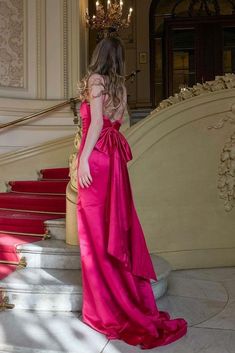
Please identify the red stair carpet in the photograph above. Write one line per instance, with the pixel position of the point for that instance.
(23, 210)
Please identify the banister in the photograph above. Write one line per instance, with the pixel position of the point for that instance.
(41, 112)
(71, 101)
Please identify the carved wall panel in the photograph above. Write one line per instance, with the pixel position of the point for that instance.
(42, 48)
(12, 43)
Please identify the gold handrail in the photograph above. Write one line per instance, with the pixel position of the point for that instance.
(71, 101)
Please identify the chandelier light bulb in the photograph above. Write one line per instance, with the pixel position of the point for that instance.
(129, 15)
(108, 22)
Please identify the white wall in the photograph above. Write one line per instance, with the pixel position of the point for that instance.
(43, 56)
(37, 130)
(43, 53)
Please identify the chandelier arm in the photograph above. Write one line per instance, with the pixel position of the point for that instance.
(108, 23)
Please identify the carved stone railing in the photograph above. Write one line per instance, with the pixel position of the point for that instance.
(226, 170)
(226, 179)
(72, 159)
(220, 83)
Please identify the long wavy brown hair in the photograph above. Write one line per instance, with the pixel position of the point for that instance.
(108, 60)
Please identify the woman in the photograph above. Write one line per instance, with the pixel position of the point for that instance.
(118, 300)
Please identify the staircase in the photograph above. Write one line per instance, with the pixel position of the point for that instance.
(23, 210)
(139, 114)
(32, 224)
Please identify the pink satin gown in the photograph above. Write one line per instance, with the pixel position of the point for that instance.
(118, 300)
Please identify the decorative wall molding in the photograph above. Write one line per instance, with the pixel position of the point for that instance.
(220, 83)
(55, 48)
(41, 48)
(12, 43)
(44, 42)
(226, 182)
(77, 43)
(65, 47)
(226, 170)
(25, 88)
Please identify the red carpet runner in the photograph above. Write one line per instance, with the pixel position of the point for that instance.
(24, 209)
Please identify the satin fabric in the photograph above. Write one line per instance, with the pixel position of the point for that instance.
(116, 266)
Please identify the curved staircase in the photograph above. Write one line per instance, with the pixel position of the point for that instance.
(23, 210)
(43, 272)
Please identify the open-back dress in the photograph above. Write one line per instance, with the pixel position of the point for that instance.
(116, 266)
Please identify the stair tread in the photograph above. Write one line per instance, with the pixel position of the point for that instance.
(44, 279)
(56, 222)
(61, 289)
(50, 278)
(49, 182)
(50, 245)
(33, 202)
(54, 179)
(38, 186)
(11, 195)
(51, 170)
(59, 173)
(16, 215)
(12, 221)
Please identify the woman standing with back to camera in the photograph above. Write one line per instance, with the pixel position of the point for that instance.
(118, 300)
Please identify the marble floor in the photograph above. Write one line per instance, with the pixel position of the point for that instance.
(204, 297)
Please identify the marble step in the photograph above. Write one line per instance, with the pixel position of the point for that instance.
(50, 253)
(47, 332)
(61, 290)
(56, 228)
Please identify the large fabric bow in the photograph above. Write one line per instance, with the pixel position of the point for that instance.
(125, 237)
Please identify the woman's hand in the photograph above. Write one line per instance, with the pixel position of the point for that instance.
(84, 175)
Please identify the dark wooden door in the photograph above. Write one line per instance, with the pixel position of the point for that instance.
(209, 51)
(195, 49)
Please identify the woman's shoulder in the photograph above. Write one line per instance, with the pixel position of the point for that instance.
(97, 79)
(96, 85)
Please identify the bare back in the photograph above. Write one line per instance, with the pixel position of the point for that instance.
(118, 113)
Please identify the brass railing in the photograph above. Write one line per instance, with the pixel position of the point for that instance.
(71, 101)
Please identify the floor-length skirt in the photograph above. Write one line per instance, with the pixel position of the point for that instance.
(118, 299)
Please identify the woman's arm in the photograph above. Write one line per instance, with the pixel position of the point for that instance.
(96, 105)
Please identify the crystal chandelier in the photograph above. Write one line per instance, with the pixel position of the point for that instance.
(108, 22)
